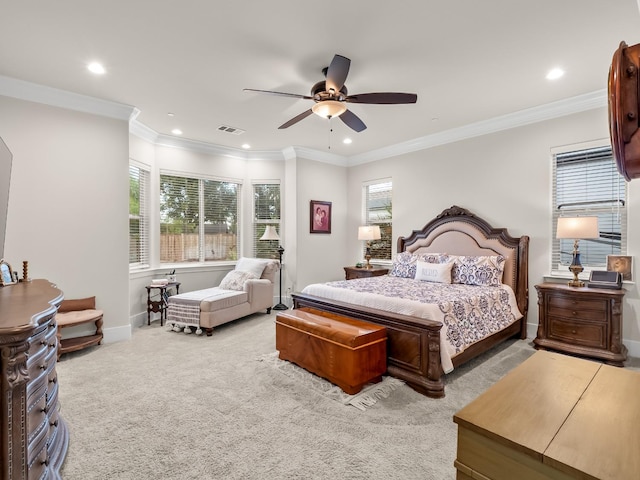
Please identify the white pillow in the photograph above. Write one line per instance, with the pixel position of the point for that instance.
(234, 280)
(434, 272)
(253, 265)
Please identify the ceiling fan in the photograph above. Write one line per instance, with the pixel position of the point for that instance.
(330, 97)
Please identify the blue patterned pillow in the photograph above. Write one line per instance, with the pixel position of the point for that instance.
(404, 265)
(485, 271)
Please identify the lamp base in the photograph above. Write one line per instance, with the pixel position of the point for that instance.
(280, 306)
(576, 268)
(368, 266)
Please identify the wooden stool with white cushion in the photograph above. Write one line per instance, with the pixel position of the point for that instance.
(77, 312)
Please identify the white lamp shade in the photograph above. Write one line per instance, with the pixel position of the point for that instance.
(270, 233)
(577, 227)
(369, 232)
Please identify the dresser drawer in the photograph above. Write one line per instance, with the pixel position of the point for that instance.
(573, 303)
(578, 333)
(38, 460)
(38, 342)
(37, 412)
(592, 309)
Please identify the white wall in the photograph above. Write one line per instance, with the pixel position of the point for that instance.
(503, 177)
(321, 257)
(68, 204)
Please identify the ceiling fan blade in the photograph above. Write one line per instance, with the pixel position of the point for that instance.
(280, 94)
(383, 98)
(352, 121)
(337, 72)
(296, 119)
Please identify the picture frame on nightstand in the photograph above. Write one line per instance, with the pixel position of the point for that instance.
(622, 264)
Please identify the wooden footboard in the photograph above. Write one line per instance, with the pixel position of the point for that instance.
(413, 347)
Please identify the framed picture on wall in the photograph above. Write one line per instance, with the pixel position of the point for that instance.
(319, 217)
(622, 264)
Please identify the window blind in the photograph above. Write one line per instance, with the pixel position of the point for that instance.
(378, 211)
(266, 211)
(138, 217)
(198, 219)
(587, 183)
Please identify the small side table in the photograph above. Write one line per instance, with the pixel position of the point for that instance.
(360, 272)
(159, 305)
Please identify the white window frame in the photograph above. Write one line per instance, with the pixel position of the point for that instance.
(613, 209)
(201, 215)
(259, 225)
(368, 219)
(143, 250)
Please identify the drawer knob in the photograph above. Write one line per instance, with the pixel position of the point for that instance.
(574, 313)
(573, 331)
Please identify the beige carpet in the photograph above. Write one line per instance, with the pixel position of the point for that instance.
(172, 406)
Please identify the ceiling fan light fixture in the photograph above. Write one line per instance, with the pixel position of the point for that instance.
(329, 108)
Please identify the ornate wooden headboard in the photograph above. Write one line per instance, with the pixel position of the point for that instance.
(457, 231)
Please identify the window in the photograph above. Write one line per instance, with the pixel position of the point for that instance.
(266, 211)
(138, 218)
(587, 183)
(377, 211)
(198, 219)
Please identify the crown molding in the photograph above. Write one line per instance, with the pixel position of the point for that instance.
(33, 92)
(202, 147)
(12, 87)
(324, 157)
(568, 106)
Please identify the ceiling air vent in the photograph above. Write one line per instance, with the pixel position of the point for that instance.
(232, 130)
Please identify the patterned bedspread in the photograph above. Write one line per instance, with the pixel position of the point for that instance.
(468, 313)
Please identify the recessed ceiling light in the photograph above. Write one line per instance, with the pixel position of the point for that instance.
(97, 68)
(555, 73)
(246, 146)
(171, 114)
(347, 141)
(176, 131)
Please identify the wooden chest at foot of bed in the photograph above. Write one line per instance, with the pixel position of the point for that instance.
(349, 353)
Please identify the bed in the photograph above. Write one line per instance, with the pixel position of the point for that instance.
(417, 340)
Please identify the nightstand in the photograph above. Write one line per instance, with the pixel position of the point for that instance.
(581, 321)
(355, 272)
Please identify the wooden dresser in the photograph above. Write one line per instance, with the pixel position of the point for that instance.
(581, 321)
(553, 417)
(34, 438)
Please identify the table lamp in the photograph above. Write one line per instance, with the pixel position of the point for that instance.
(577, 228)
(368, 233)
(270, 233)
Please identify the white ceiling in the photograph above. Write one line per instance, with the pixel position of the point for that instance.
(467, 60)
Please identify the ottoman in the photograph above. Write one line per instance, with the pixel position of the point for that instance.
(349, 353)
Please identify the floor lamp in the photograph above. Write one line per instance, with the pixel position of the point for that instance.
(270, 233)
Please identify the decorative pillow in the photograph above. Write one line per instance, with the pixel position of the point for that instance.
(234, 280)
(484, 271)
(433, 272)
(253, 265)
(404, 265)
